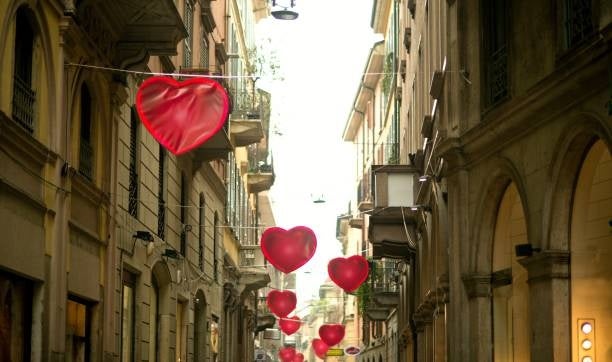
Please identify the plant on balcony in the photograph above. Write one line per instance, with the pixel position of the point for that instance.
(364, 292)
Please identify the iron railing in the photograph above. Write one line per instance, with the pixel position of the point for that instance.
(23, 104)
(382, 276)
(86, 159)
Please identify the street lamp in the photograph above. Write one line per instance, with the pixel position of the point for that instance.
(286, 13)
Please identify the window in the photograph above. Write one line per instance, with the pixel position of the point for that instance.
(24, 96)
(204, 55)
(215, 247)
(183, 215)
(577, 21)
(161, 188)
(86, 152)
(188, 19)
(133, 172)
(77, 330)
(201, 231)
(495, 34)
(127, 317)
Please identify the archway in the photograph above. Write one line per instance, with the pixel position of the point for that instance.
(509, 288)
(591, 249)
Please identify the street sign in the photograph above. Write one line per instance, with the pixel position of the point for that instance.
(332, 352)
(352, 351)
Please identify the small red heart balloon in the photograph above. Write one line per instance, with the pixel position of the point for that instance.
(289, 249)
(331, 334)
(348, 273)
(320, 347)
(299, 357)
(289, 325)
(182, 115)
(281, 303)
(286, 354)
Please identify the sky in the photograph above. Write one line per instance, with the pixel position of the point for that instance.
(321, 56)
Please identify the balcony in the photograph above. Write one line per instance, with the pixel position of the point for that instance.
(245, 126)
(265, 318)
(130, 31)
(215, 148)
(383, 284)
(24, 99)
(260, 178)
(393, 218)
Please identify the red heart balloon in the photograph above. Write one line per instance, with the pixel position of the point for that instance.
(281, 303)
(348, 273)
(286, 354)
(299, 357)
(320, 348)
(331, 334)
(182, 115)
(290, 325)
(289, 249)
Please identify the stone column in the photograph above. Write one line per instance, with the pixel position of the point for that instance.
(549, 302)
(478, 289)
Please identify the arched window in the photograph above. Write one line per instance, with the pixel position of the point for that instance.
(24, 96)
(86, 150)
(201, 231)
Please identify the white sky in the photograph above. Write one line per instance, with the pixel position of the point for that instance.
(322, 55)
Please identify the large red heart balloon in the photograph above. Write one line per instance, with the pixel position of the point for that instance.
(331, 334)
(281, 303)
(348, 273)
(320, 348)
(299, 357)
(182, 115)
(286, 354)
(289, 249)
(289, 325)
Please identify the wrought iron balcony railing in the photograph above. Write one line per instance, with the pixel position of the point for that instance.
(23, 104)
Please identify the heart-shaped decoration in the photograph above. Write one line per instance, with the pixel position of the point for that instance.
(286, 354)
(290, 325)
(348, 273)
(331, 334)
(281, 303)
(182, 115)
(320, 348)
(299, 357)
(289, 249)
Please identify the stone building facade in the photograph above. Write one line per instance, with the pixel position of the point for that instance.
(483, 133)
(115, 249)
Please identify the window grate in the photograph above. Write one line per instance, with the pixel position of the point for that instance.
(204, 56)
(23, 104)
(496, 25)
(86, 159)
(187, 56)
(183, 216)
(161, 204)
(578, 21)
(133, 173)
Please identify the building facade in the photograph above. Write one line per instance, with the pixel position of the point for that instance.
(117, 250)
(483, 133)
